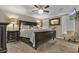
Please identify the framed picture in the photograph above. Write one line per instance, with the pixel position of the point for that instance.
(54, 21)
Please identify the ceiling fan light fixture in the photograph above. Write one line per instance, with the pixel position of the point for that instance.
(40, 11)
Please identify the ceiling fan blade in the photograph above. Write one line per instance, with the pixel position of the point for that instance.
(46, 11)
(47, 6)
(33, 10)
(36, 6)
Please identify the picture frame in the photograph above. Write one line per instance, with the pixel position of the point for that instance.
(54, 21)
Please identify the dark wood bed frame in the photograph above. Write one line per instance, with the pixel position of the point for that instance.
(40, 37)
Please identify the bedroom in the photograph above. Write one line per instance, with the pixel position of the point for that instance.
(30, 24)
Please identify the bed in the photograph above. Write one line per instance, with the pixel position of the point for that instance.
(36, 36)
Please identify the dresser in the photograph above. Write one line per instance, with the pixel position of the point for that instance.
(12, 36)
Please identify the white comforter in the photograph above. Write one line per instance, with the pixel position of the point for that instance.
(28, 34)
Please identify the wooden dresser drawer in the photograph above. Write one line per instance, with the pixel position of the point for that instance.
(12, 36)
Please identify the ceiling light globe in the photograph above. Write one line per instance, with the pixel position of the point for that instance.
(40, 11)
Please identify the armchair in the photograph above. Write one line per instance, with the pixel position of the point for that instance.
(71, 35)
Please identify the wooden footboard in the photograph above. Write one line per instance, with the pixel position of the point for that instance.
(40, 38)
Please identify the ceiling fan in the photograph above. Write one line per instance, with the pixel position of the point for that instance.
(41, 8)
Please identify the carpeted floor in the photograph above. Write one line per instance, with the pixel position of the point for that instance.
(52, 46)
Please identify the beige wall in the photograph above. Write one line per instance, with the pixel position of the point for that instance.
(77, 25)
(3, 18)
(46, 23)
(67, 23)
(10, 27)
